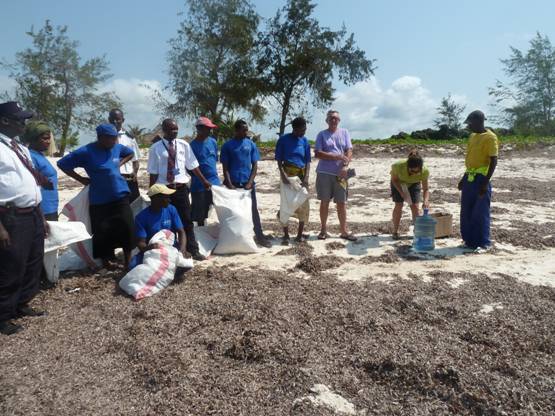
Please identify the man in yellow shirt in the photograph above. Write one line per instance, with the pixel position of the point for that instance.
(475, 186)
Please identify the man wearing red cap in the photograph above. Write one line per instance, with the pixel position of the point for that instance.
(205, 148)
(22, 225)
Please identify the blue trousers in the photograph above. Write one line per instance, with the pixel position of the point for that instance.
(475, 213)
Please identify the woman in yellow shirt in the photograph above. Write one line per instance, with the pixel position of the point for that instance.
(406, 179)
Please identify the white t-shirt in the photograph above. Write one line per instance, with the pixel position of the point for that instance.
(17, 184)
(158, 161)
(130, 142)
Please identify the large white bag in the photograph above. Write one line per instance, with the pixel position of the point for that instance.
(293, 195)
(78, 210)
(61, 234)
(157, 269)
(207, 238)
(234, 210)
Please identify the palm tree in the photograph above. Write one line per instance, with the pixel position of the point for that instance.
(137, 132)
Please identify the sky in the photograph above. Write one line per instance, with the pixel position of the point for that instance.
(423, 49)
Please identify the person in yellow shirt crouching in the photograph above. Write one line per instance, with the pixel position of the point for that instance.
(475, 186)
(406, 177)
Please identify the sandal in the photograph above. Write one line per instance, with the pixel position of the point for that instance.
(285, 241)
(349, 237)
(395, 236)
(323, 236)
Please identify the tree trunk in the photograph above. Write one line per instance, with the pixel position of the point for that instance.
(284, 111)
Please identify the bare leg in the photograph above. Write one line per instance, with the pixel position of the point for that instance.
(126, 259)
(397, 213)
(324, 210)
(415, 211)
(285, 239)
(342, 215)
(299, 237)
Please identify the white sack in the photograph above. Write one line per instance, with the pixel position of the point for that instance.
(234, 210)
(61, 234)
(78, 210)
(157, 269)
(293, 195)
(207, 238)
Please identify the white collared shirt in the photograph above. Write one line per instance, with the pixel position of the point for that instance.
(130, 142)
(17, 185)
(158, 161)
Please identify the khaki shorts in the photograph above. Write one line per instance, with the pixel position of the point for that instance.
(328, 187)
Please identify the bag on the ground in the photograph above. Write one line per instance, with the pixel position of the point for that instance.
(61, 234)
(157, 269)
(78, 210)
(234, 210)
(207, 238)
(293, 195)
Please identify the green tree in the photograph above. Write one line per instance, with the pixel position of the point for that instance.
(449, 113)
(136, 131)
(211, 61)
(298, 60)
(52, 81)
(527, 100)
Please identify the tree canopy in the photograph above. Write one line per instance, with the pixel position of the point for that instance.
(298, 59)
(52, 81)
(211, 66)
(527, 100)
(449, 113)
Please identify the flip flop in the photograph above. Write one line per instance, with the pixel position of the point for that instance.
(323, 236)
(348, 237)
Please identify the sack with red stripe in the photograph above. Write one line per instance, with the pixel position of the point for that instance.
(157, 269)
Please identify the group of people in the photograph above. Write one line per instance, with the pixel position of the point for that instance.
(181, 175)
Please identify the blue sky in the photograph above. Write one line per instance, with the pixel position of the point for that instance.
(424, 50)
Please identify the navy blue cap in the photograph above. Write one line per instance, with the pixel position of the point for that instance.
(106, 130)
(12, 109)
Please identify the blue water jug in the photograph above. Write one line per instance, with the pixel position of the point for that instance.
(424, 232)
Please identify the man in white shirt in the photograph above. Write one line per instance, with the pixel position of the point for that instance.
(22, 225)
(130, 169)
(169, 161)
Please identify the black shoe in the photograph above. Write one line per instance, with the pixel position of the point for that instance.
(198, 257)
(28, 311)
(263, 241)
(8, 328)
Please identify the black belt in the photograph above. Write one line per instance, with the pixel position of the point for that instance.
(176, 185)
(16, 210)
(128, 176)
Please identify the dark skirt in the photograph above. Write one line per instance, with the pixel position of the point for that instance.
(112, 227)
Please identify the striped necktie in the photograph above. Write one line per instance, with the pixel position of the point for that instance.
(171, 162)
(40, 179)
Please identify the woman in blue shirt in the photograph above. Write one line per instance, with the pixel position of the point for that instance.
(38, 136)
(111, 216)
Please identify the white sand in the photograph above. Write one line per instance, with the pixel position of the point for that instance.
(531, 266)
(323, 396)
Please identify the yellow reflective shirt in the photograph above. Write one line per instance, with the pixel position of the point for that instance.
(400, 170)
(481, 146)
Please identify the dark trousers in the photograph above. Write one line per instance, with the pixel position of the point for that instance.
(255, 215)
(133, 190)
(180, 200)
(51, 217)
(21, 262)
(112, 226)
(475, 213)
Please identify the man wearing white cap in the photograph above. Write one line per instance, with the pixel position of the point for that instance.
(205, 148)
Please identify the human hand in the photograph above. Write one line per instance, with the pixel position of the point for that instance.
(152, 246)
(186, 254)
(248, 185)
(46, 227)
(407, 198)
(460, 185)
(483, 189)
(207, 185)
(426, 205)
(344, 159)
(229, 186)
(4, 238)
(343, 173)
(284, 180)
(304, 184)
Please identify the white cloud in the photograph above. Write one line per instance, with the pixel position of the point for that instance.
(369, 110)
(137, 100)
(7, 85)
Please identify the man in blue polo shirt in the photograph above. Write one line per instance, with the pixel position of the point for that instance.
(160, 215)
(111, 216)
(239, 157)
(205, 149)
(293, 159)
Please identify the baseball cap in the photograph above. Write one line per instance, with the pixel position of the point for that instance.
(12, 109)
(159, 188)
(205, 121)
(106, 129)
(476, 115)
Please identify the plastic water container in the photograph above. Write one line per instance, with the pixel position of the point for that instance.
(424, 233)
